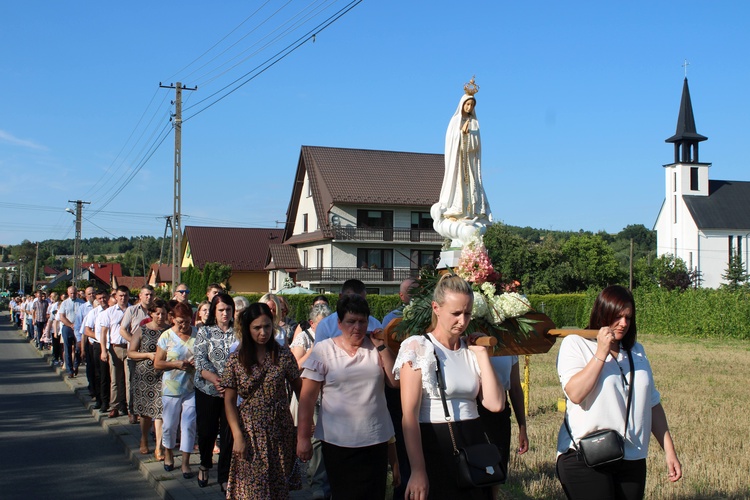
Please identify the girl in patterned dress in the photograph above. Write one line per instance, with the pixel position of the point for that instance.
(263, 454)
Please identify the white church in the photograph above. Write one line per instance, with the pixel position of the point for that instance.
(704, 222)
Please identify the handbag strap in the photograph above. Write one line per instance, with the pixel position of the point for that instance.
(441, 387)
(627, 409)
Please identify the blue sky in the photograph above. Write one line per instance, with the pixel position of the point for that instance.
(576, 100)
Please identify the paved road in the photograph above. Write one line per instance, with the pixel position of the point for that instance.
(50, 445)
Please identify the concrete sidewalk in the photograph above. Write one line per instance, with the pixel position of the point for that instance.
(168, 485)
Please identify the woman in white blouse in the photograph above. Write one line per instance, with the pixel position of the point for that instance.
(468, 375)
(349, 371)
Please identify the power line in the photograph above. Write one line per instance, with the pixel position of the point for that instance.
(310, 35)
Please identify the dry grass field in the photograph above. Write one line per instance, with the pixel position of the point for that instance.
(705, 388)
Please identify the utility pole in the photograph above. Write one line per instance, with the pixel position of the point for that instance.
(36, 266)
(77, 244)
(631, 265)
(168, 224)
(177, 212)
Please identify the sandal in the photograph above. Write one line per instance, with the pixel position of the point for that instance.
(202, 477)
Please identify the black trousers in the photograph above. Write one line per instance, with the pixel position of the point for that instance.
(623, 480)
(497, 428)
(356, 473)
(101, 374)
(91, 364)
(211, 419)
(439, 459)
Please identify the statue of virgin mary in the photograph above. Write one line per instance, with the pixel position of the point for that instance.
(462, 201)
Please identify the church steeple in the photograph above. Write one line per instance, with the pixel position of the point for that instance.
(686, 138)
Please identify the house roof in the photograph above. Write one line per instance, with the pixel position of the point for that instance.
(283, 257)
(162, 273)
(49, 270)
(243, 249)
(364, 177)
(686, 120)
(104, 271)
(727, 206)
(131, 282)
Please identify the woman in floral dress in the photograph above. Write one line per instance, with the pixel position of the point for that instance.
(263, 454)
(147, 382)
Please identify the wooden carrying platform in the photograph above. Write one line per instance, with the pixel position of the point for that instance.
(540, 342)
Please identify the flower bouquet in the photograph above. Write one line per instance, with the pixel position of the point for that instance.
(498, 310)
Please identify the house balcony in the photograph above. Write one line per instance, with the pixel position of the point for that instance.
(368, 276)
(395, 234)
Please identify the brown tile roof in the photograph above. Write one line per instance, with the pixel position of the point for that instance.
(243, 249)
(104, 271)
(131, 282)
(365, 177)
(49, 270)
(163, 273)
(283, 257)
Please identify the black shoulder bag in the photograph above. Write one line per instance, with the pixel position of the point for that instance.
(604, 446)
(478, 465)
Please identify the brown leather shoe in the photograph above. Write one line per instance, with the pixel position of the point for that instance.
(114, 413)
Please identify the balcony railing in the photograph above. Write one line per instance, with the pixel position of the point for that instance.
(341, 274)
(404, 234)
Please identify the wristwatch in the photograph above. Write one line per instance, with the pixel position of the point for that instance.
(381, 348)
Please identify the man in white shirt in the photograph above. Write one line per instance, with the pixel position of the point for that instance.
(130, 323)
(329, 326)
(67, 316)
(83, 346)
(92, 330)
(117, 352)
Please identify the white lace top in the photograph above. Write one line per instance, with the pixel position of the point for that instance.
(462, 378)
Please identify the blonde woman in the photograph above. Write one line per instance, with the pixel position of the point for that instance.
(468, 375)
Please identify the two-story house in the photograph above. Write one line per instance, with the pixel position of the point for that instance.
(357, 213)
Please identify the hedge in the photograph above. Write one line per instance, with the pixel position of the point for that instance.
(692, 313)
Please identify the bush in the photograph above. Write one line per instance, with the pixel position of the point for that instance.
(565, 310)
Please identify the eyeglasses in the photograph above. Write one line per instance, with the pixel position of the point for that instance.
(183, 291)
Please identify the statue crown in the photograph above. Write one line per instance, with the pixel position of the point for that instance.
(471, 88)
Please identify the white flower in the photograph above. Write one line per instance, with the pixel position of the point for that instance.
(496, 311)
(479, 309)
(407, 312)
(513, 305)
(488, 289)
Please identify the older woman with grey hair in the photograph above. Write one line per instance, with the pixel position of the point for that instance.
(301, 347)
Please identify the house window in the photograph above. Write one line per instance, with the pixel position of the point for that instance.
(375, 258)
(304, 259)
(273, 280)
(372, 291)
(421, 220)
(304, 223)
(674, 208)
(309, 188)
(730, 249)
(319, 258)
(674, 182)
(374, 218)
(694, 179)
(422, 258)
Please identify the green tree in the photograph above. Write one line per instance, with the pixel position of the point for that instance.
(592, 261)
(735, 275)
(213, 272)
(671, 273)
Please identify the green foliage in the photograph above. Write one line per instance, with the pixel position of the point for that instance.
(735, 275)
(565, 310)
(694, 312)
(592, 262)
(198, 280)
(666, 272)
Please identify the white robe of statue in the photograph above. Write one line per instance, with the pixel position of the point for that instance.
(462, 210)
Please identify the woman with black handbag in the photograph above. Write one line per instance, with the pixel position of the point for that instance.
(612, 407)
(441, 376)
